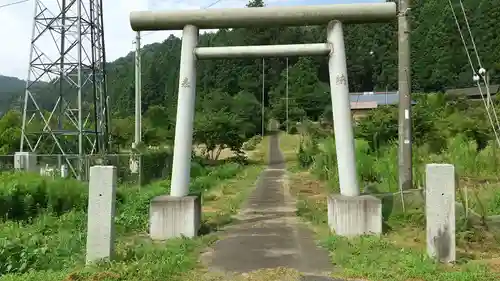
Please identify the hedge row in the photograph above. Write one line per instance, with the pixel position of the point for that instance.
(156, 164)
(49, 243)
(23, 195)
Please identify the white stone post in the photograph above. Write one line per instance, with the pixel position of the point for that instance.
(440, 211)
(101, 213)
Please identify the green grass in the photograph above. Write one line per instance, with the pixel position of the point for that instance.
(378, 259)
(476, 170)
(50, 246)
(400, 253)
(224, 201)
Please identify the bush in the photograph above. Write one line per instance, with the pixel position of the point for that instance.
(252, 143)
(307, 150)
(156, 164)
(293, 130)
(226, 171)
(23, 196)
(55, 244)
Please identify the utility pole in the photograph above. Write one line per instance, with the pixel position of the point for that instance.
(404, 88)
(287, 121)
(136, 160)
(263, 89)
(138, 99)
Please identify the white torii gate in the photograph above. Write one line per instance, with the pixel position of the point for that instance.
(190, 21)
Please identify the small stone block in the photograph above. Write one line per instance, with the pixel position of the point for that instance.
(101, 213)
(25, 161)
(173, 217)
(440, 211)
(354, 215)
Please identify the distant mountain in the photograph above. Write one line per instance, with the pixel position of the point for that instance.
(10, 89)
(11, 84)
(11, 92)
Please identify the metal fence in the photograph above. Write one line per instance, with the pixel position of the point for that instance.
(128, 170)
(6, 163)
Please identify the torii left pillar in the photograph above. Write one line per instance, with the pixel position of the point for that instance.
(349, 213)
(180, 213)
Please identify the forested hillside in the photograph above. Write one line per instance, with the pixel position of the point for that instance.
(438, 58)
(11, 92)
(10, 88)
(229, 91)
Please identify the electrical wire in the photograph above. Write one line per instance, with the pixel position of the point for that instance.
(473, 70)
(13, 3)
(488, 94)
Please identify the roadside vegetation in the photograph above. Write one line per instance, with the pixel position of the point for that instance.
(43, 225)
(400, 253)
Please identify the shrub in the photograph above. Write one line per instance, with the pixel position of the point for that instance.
(156, 165)
(252, 143)
(23, 196)
(202, 184)
(57, 243)
(308, 148)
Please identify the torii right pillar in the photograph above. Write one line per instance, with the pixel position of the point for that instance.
(350, 213)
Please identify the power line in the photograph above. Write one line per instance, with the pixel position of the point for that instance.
(13, 3)
(476, 77)
(213, 4)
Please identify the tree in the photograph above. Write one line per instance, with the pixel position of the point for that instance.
(158, 126)
(10, 132)
(438, 62)
(305, 91)
(224, 121)
(122, 132)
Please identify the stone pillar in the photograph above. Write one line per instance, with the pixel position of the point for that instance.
(440, 211)
(341, 108)
(348, 213)
(179, 214)
(101, 213)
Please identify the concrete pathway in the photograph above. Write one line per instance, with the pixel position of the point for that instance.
(267, 233)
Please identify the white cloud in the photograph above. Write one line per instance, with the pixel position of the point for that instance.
(16, 24)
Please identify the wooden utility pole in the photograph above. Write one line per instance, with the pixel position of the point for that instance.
(404, 88)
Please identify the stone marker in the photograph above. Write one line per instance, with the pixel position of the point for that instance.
(440, 211)
(101, 213)
(25, 161)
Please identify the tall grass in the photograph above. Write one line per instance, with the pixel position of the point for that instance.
(476, 168)
(49, 245)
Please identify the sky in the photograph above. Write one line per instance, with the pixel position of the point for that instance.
(16, 26)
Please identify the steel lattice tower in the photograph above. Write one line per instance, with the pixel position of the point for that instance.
(67, 116)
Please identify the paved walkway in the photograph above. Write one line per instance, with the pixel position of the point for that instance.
(267, 234)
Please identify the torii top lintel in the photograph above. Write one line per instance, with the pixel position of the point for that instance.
(263, 16)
